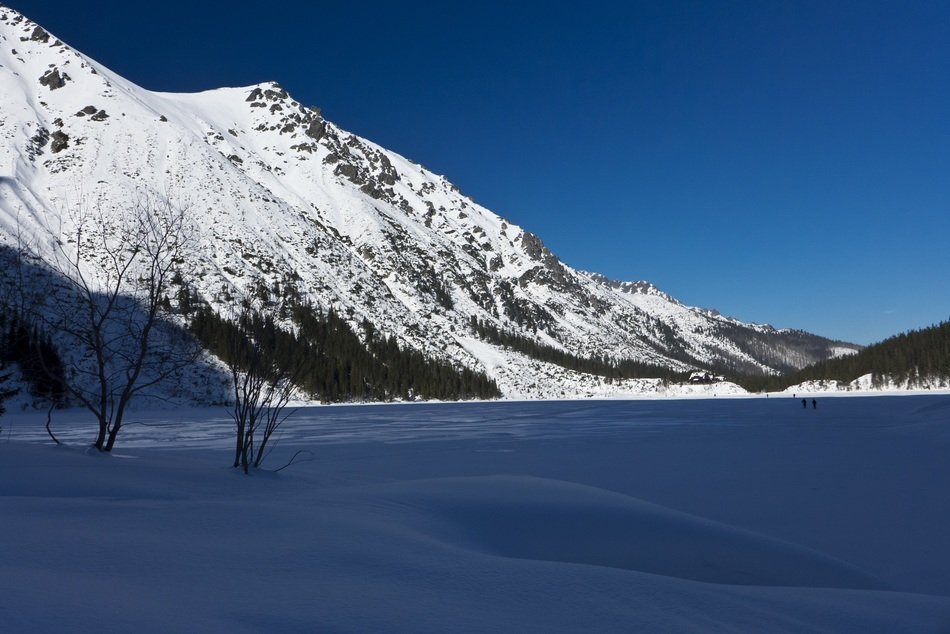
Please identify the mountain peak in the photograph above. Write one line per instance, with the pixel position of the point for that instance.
(285, 199)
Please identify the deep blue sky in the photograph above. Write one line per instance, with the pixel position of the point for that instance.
(783, 162)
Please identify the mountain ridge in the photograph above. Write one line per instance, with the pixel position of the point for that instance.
(284, 197)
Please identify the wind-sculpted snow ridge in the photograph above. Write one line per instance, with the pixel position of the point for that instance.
(545, 520)
(286, 202)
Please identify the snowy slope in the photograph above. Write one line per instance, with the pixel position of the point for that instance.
(280, 195)
(870, 383)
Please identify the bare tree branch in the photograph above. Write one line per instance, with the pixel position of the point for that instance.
(294, 458)
(49, 423)
(113, 270)
(261, 392)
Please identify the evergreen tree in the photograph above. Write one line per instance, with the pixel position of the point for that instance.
(5, 392)
(34, 353)
(915, 357)
(333, 362)
(601, 366)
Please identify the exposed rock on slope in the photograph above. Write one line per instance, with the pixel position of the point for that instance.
(284, 196)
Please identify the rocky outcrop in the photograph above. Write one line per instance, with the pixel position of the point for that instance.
(39, 35)
(53, 79)
(59, 141)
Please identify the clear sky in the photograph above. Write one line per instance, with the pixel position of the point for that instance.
(782, 162)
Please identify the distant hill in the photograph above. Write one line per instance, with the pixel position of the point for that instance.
(912, 359)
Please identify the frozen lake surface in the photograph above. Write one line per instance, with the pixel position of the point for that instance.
(745, 514)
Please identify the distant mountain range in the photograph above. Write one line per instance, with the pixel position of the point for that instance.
(284, 201)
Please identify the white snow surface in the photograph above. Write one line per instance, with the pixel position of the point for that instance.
(277, 193)
(867, 384)
(697, 515)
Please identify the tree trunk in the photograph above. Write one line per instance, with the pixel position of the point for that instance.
(101, 438)
(245, 463)
(49, 424)
(112, 434)
(239, 445)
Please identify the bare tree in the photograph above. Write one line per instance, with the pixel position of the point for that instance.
(261, 390)
(114, 271)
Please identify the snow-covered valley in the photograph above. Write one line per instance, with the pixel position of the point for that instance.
(165, 257)
(715, 514)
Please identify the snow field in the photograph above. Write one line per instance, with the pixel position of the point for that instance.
(574, 516)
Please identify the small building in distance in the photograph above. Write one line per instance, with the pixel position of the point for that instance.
(703, 376)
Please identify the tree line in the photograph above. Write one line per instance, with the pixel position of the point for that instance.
(601, 366)
(40, 364)
(124, 336)
(330, 361)
(910, 356)
(122, 339)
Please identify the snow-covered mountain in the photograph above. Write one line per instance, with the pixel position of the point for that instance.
(280, 195)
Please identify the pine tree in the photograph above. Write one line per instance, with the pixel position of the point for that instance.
(334, 362)
(916, 356)
(5, 392)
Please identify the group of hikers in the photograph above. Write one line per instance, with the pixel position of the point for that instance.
(814, 403)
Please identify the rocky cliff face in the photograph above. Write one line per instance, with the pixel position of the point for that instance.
(284, 199)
